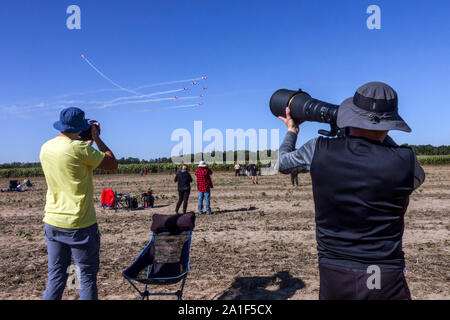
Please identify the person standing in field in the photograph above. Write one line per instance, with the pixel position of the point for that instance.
(70, 222)
(204, 186)
(237, 170)
(294, 177)
(184, 180)
(254, 173)
(361, 185)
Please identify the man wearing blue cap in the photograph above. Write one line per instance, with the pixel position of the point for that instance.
(70, 220)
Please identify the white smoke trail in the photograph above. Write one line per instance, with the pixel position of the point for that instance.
(172, 107)
(166, 83)
(136, 97)
(105, 77)
(139, 101)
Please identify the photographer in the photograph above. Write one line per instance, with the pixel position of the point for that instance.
(361, 186)
(70, 221)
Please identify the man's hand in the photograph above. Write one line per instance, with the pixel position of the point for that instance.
(109, 162)
(94, 130)
(290, 123)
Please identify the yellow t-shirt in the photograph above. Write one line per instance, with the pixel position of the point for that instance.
(68, 168)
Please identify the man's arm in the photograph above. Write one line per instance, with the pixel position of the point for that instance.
(295, 160)
(109, 161)
(290, 159)
(419, 174)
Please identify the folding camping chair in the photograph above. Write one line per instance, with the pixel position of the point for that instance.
(165, 259)
(13, 185)
(122, 201)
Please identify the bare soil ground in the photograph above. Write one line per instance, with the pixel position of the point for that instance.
(258, 244)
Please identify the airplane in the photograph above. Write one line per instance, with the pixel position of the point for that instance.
(201, 95)
(175, 97)
(200, 103)
(204, 88)
(185, 88)
(204, 78)
(194, 83)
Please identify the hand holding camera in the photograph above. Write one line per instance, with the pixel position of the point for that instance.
(92, 133)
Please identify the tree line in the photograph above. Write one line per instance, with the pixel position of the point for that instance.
(420, 150)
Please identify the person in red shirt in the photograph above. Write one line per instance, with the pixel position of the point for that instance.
(204, 186)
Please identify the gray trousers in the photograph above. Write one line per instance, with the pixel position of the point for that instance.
(84, 246)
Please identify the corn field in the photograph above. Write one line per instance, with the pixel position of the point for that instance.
(167, 167)
(434, 160)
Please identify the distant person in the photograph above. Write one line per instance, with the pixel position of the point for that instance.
(237, 170)
(184, 180)
(142, 172)
(204, 186)
(70, 221)
(254, 173)
(145, 171)
(243, 169)
(294, 177)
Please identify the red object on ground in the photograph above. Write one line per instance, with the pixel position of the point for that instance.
(108, 198)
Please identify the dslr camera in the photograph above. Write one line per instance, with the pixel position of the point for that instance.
(87, 135)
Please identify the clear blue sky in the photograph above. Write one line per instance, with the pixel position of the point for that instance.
(248, 49)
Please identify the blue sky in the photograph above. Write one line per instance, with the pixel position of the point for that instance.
(248, 50)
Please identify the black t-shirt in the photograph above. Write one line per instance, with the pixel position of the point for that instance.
(184, 180)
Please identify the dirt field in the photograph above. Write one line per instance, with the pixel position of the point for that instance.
(258, 244)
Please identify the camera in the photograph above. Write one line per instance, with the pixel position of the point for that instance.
(87, 135)
(305, 108)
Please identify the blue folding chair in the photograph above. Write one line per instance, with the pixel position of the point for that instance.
(165, 259)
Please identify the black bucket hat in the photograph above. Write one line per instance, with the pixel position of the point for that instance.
(373, 107)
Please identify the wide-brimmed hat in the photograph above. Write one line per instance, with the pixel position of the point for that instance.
(373, 107)
(72, 120)
(202, 164)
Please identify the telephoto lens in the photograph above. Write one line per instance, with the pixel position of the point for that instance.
(304, 108)
(87, 135)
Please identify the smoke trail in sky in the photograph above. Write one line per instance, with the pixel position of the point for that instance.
(167, 83)
(172, 107)
(141, 101)
(105, 77)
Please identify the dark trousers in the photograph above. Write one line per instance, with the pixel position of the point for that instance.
(183, 197)
(237, 172)
(294, 179)
(342, 283)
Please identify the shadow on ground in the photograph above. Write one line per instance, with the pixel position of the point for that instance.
(280, 286)
(235, 210)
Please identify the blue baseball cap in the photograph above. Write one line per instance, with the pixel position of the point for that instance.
(71, 120)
